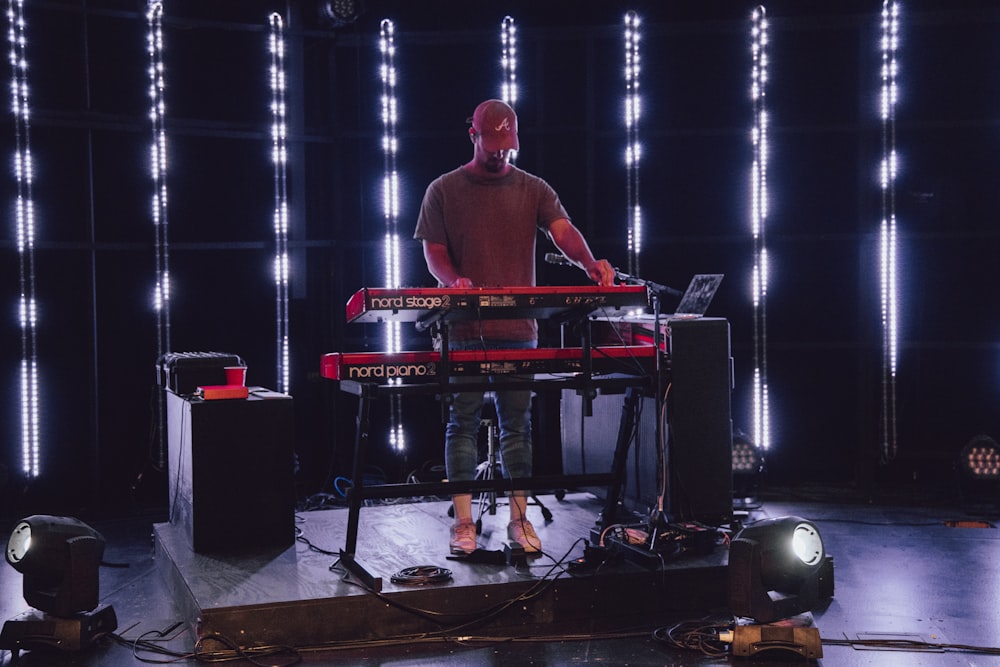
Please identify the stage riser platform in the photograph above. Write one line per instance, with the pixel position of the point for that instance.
(291, 596)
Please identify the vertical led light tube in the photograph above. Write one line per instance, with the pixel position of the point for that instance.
(390, 206)
(279, 158)
(158, 169)
(508, 66)
(25, 221)
(508, 60)
(758, 219)
(887, 233)
(633, 149)
(158, 164)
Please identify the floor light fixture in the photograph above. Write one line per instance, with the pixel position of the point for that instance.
(748, 468)
(778, 568)
(979, 472)
(59, 558)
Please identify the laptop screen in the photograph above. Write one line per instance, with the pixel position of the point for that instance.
(698, 295)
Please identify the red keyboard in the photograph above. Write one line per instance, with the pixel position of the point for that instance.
(375, 304)
(426, 366)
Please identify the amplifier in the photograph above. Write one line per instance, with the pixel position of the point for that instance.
(231, 468)
(183, 372)
(698, 429)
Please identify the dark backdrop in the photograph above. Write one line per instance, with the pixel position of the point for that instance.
(90, 137)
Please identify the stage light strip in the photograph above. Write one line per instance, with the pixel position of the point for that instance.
(508, 60)
(758, 213)
(508, 65)
(25, 220)
(889, 42)
(633, 149)
(279, 157)
(158, 164)
(390, 177)
(390, 206)
(158, 169)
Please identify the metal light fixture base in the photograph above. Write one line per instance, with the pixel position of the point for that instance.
(750, 640)
(37, 630)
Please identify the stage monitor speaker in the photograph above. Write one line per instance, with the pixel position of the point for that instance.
(699, 416)
(231, 470)
(698, 427)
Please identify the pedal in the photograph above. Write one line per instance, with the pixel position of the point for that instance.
(514, 553)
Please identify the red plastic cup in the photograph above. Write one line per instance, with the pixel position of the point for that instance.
(236, 375)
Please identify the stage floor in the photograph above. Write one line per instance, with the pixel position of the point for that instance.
(303, 594)
(910, 568)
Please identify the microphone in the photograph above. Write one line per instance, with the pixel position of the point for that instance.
(557, 258)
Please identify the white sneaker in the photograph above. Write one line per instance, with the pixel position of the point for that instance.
(522, 532)
(463, 537)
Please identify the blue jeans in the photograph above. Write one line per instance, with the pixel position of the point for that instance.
(461, 451)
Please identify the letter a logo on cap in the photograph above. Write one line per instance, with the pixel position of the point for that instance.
(496, 124)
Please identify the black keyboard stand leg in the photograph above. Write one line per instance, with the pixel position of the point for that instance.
(355, 497)
(625, 429)
(546, 513)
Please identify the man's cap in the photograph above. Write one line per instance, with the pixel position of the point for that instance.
(496, 123)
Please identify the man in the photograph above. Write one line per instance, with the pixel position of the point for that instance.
(478, 224)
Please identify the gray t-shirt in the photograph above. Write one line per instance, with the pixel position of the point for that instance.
(490, 227)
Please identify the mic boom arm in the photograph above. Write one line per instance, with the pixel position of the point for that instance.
(562, 260)
(656, 288)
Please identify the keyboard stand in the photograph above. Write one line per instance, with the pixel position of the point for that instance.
(359, 492)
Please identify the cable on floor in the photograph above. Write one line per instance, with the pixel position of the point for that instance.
(421, 575)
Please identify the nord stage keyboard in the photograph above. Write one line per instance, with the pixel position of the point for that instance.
(427, 366)
(425, 304)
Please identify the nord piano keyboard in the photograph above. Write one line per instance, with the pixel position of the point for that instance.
(427, 304)
(380, 367)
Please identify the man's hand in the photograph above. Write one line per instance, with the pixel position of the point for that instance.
(601, 272)
(570, 241)
(440, 265)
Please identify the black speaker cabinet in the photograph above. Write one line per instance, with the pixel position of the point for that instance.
(231, 470)
(698, 427)
(589, 445)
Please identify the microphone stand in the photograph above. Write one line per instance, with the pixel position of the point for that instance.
(656, 289)
(656, 292)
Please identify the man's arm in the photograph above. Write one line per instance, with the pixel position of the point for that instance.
(440, 265)
(571, 243)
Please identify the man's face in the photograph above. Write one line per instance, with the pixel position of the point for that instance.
(491, 161)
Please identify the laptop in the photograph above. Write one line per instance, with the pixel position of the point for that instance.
(698, 295)
(637, 329)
